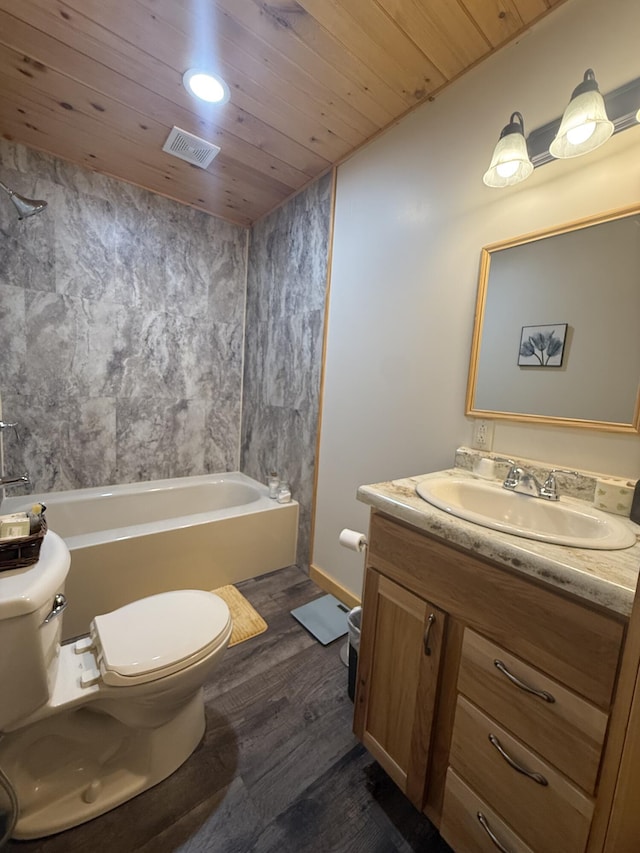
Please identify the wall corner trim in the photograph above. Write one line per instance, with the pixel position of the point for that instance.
(329, 584)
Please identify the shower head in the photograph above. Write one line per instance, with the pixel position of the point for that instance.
(24, 206)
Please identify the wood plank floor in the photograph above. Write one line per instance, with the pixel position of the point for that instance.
(278, 771)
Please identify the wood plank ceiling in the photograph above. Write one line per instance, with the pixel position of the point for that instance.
(99, 82)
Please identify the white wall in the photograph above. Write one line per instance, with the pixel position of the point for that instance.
(411, 217)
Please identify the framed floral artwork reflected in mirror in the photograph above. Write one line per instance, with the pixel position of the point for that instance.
(542, 346)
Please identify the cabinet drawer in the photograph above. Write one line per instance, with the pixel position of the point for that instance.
(468, 822)
(568, 731)
(555, 815)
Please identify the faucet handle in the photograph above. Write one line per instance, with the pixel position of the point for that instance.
(549, 488)
(4, 425)
(513, 466)
(506, 459)
(513, 475)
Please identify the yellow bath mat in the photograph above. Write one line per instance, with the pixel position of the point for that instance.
(247, 622)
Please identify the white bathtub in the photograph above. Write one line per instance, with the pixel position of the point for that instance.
(142, 538)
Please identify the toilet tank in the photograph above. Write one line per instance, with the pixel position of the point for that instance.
(28, 646)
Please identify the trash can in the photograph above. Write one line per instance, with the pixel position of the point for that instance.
(354, 623)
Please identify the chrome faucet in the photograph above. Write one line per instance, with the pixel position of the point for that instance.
(22, 480)
(6, 482)
(525, 483)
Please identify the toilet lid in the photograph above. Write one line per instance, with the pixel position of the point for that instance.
(159, 635)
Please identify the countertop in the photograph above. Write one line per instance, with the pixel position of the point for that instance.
(605, 578)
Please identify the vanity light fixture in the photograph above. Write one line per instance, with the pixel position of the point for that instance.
(585, 125)
(510, 163)
(206, 86)
(560, 138)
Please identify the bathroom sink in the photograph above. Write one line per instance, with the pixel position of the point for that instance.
(556, 522)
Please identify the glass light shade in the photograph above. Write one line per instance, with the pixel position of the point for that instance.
(510, 163)
(205, 86)
(585, 125)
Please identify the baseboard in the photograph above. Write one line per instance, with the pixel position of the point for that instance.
(330, 585)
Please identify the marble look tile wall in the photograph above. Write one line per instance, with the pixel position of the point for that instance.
(121, 329)
(286, 290)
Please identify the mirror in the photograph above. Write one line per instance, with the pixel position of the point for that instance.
(556, 337)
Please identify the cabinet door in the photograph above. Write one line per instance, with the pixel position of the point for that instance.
(400, 652)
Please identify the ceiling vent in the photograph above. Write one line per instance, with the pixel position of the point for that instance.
(191, 148)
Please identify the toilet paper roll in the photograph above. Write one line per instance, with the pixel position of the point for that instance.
(353, 540)
(613, 495)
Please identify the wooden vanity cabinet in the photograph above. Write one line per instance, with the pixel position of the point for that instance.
(398, 674)
(449, 726)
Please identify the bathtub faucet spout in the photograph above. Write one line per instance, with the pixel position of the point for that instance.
(6, 482)
(22, 480)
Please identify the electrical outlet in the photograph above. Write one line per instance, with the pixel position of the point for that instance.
(482, 435)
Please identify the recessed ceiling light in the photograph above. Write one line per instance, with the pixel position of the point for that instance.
(205, 86)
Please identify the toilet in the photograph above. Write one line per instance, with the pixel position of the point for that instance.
(87, 725)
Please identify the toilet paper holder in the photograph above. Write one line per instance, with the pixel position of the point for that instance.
(353, 540)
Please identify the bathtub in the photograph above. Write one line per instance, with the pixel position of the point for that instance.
(142, 538)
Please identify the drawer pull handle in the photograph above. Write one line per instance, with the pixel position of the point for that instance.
(484, 823)
(430, 622)
(537, 777)
(542, 694)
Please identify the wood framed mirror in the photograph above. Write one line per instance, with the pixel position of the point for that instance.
(556, 337)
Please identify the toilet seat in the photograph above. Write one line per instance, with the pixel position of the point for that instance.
(159, 635)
